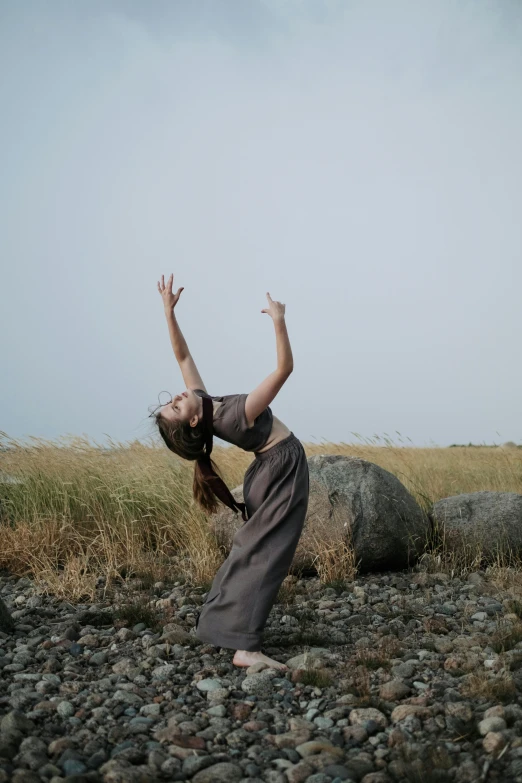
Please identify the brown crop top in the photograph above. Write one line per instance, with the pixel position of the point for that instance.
(230, 423)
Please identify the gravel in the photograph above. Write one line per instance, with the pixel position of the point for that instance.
(397, 677)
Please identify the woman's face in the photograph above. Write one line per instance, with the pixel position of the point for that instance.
(185, 407)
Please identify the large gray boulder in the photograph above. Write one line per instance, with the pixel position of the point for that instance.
(387, 527)
(485, 522)
(351, 501)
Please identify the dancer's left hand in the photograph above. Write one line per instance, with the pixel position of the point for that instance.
(276, 310)
(170, 299)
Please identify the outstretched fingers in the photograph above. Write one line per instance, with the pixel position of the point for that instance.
(161, 286)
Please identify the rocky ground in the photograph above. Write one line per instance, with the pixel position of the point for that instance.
(404, 676)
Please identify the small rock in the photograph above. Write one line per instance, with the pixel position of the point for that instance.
(491, 724)
(362, 715)
(394, 690)
(209, 684)
(493, 742)
(224, 772)
(318, 746)
(65, 709)
(299, 772)
(260, 684)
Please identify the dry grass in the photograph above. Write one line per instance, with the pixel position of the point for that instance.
(355, 671)
(425, 763)
(334, 561)
(83, 511)
(317, 677)
(508, 579)
(506, 635)
(377, 657)
(141, 609)
(481, 685)
(359, 683)
(287, 591)
(306, 633)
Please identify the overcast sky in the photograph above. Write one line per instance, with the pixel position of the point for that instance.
(361, 161)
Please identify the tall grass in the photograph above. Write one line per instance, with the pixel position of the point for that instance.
(81, 511)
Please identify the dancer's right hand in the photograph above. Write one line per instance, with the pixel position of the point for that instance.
(276, 310)
(169, 299)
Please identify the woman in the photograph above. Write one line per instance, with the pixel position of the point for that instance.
(275, 488)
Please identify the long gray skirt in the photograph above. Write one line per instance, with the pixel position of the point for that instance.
(275, 490)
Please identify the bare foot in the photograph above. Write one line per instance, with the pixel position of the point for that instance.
(247, 658)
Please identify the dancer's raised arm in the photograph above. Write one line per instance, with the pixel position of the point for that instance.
(190, 373)
(262, 395)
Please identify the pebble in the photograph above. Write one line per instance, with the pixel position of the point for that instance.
(216, 773)
(65, 709)
(493, 742)
(491, 724)
(208, 685)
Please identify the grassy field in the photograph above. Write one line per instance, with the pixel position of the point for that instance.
(82, 511)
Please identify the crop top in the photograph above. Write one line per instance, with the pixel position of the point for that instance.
(230, 423)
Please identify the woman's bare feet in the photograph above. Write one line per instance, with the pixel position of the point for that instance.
(247, 658)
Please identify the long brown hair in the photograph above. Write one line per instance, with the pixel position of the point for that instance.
(195, 443)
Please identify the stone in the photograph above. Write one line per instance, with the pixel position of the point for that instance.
(209, 684)
(404, 711)
(259, 684)
(493, 742)
(164, 672)
(223, 772)
(65, 709)
(394, 690)
(318, 746)
(362, 715)
(289, 739)
(16, 721)
(240, 710)
(313, 658)
(175, 634)
(299, 772)
(491, 724)
(491, 521)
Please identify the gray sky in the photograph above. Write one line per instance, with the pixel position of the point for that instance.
(361, 161)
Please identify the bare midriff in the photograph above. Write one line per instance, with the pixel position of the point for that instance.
(278, 432)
